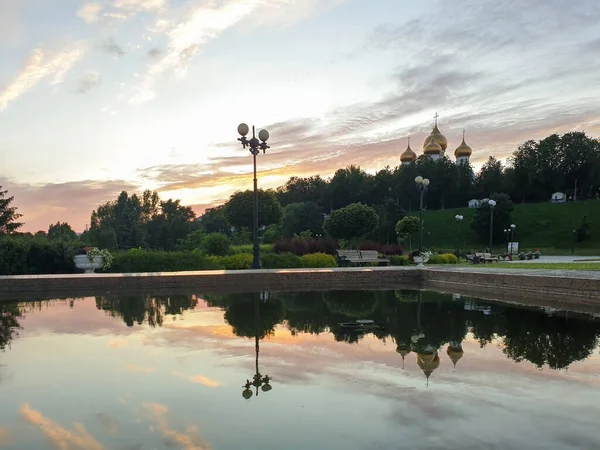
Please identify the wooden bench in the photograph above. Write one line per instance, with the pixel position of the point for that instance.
(359, 258)
(488, 257)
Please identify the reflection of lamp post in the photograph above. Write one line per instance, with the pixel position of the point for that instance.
(258, 381)
(256, 145)
(459, 220)
(422, 184)
(492, 204)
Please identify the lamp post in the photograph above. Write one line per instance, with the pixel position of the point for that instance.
(255, 146)
(507, 234)
(512, 237)
(492, 204)
(459, 219)
(422, 184)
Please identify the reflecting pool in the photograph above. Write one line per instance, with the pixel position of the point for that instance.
(296, 371)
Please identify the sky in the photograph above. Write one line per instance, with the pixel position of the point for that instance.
(103, 96)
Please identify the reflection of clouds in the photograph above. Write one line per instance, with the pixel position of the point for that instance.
(199, 379)
(5, 437)
(59, 437)
(189, 439)
(136, 368)
(108, 424)
(117, 343)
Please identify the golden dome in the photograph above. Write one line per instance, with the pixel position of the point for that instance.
(455, 353)
(403, 349)
(431, 147)
(408, 155)
(439, 138)
(428, 362)
(463, 149)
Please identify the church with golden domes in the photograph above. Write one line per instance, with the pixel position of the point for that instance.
(435, 146)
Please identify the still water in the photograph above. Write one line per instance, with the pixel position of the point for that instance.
(279, 371)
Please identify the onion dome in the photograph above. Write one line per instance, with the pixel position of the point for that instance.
(403, 349)
(455, 352)
(431, 147)
(428, 362)
(408, 155)
(463, 149)
(439, 138)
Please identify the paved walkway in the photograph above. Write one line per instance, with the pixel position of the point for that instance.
(558, 259)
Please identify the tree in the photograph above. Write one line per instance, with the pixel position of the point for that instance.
(172, 224)
(61, 231)
(303, 190)
(8, 214)
(502, 218)
(214, 220)
(216, 244)
(406, 227)
(351, 222)
(489, 178)
(239, 210)
(349, 185)
(299, 217)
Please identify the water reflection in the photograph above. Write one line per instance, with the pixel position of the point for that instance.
(418, 322)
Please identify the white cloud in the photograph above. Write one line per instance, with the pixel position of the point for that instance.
(38, 67)
(88, 81)
(89, 12)
(139, 5)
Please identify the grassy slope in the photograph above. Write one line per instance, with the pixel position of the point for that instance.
(545, 226)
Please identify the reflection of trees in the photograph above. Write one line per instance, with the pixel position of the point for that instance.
(9, 313)
(137, 309)
(552, 340)
(358, 304)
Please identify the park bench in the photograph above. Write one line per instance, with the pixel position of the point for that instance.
(360, 258)
(488, 257)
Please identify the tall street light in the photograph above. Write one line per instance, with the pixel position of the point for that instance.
(459, 218)
(512, 237)
(255, 145)
(507, 234)
(492, 204)
(422, 184)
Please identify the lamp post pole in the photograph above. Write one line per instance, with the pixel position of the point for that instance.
(459, 218)
(492, 204)
(512, 238)
(507, 234)
(255, 145)
(422, 184)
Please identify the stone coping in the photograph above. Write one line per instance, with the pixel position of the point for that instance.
(541, 287)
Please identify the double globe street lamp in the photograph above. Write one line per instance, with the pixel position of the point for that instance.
(459, 218)
(255, 145)
(492, 204)
(422, 184)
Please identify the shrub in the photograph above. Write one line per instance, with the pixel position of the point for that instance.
(316, 260)
(216, 244)
(369, 245)
(398, 260)
(280, 261)
(37, 255)
(240, 261)
(247, 248)
(444, 258)
(392, 249)
(137, 260)
(304, 246)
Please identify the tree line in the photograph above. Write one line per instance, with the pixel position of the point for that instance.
(568, 163)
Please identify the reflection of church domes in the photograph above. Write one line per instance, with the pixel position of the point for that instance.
(428, 362)
(455, 352)
(403, 349)
(408, 155)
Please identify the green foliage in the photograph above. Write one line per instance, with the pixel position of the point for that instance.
(582, 232)
(280, 261)
(8, 214)
(21, 255)
(214, 220)
(61, 231)
(399, 260)
(247, 248)
(239, 209)
(444, 258)
(351, 222)
(139, 260)
(240, 261)
(216, 244)
(300, 217)
(407, 226)
(272, 233)
(502, 219)
(192, 241)
(316, 260)
(107, 257)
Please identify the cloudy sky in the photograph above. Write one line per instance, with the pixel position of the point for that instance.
(115, 95)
